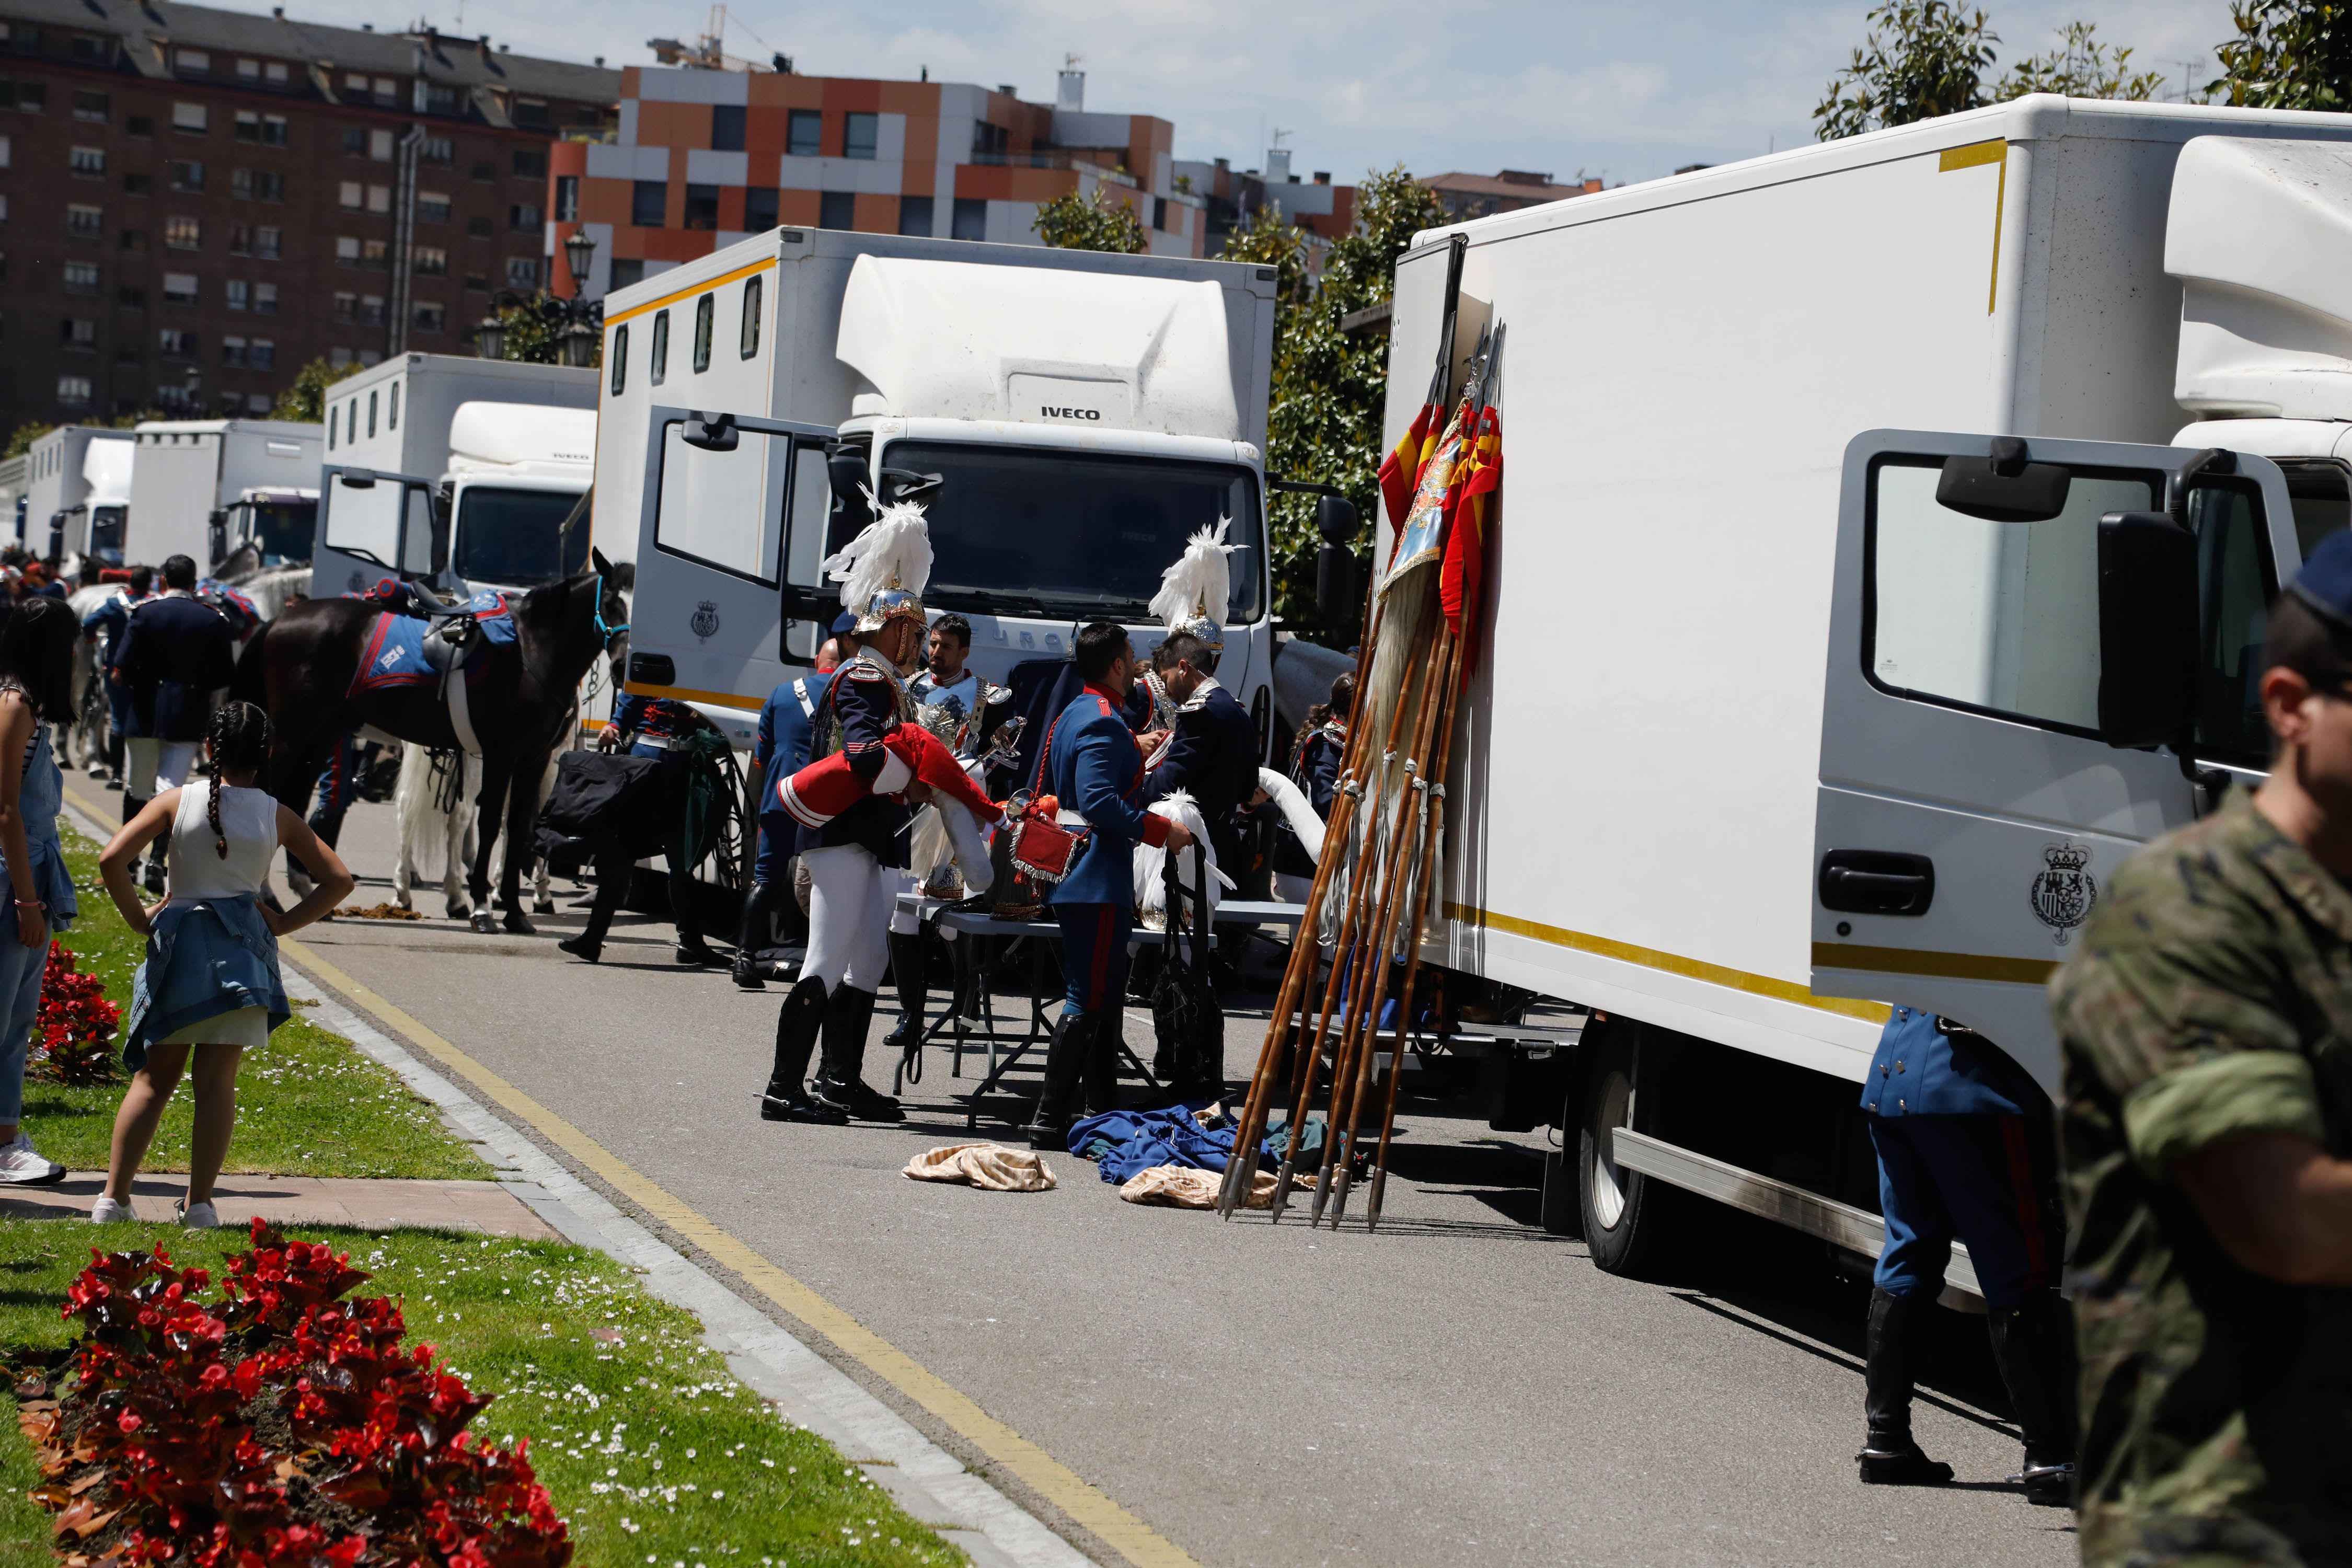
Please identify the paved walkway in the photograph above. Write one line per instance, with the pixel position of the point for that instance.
(489, 1209)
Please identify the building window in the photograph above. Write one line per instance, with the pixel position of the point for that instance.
(970, 219)
(179, 341)
(233, 353)
(477, 283)
(257, 184)
(93, 49)
(836, 209)
(265, 243)
(78, 333)
(264, 355)
(441, 99)
(646, 202)
(85, 222)
(379, 198)
(803, 132)
(371, 315)
(428, 318)
(90, 105)
(191, 62)
(80, 277)
(376, 255)
(136, 184)
(860, 135)
(87, 161)
(248, 70)
(522, 271)
(380, 146)
(619, 355)
(477, 228)
(530, 163)
(523, 218)
(138, 125)
(339, 356)
(354, 141)
(727, 127)
(263, 129)
(30, 97)
(347, 307)
(237, 293)
(661, 348)
(179, 287)
(189, 116)
(432, 206)
(440, 151)
(73, 391)
(347, 251)
(704, 309)
(748, 337)
(432, 261)
(183, 234)
(133, 238)
(702, 206)
(915, 216)
(531, 114)
(351, 195)
(567, 198)
(627, 273)
(485, 170)
(759, 209)
(264, 299)
(185, 176)
(130, 299)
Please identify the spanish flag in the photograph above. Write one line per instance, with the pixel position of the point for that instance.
(1401, 470)
(1462, 578)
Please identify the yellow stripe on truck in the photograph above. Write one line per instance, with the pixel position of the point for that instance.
(1941, 965)
(1975, 155)
(704, 287)
(692, 694)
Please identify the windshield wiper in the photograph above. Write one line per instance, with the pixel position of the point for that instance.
(995, 603)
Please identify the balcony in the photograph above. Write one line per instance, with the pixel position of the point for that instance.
(1053, 158)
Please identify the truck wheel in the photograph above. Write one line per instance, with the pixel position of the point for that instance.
(1628, 1218)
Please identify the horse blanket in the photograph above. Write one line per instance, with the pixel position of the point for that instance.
(394, 652)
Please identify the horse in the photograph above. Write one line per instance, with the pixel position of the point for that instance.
(301, 667)
(426, 822)
(85, 741)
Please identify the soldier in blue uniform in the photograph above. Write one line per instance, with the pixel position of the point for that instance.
(108, 623)
(651, 727)
(176, 652)
(1963, 1138)
(1213, 751)
(787, 725)
(1092, 765)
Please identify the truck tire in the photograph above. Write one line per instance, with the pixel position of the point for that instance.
(1630, 1221)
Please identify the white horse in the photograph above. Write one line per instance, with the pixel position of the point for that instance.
(86, 741)
(426, 829)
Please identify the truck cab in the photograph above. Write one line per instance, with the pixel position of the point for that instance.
(280, 524)
(518, 473)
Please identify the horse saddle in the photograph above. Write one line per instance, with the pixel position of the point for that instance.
(451, 638)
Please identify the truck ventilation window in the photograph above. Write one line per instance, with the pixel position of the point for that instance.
(750, 335)
(620, 354)
(392, 415)
(661, 347)
(704, 308)
(330, 429)
(371, 414)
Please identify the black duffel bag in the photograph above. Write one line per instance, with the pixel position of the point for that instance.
(603, 805)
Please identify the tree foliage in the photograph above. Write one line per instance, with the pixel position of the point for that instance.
(1099, 224)
(306, 400)
(2287, 54)
(1926, 57)
(1328, 386)
(534, 331)
(2080, 66)
(21, 440)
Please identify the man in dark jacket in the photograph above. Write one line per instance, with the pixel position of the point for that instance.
(1213, 752)
(177, 652)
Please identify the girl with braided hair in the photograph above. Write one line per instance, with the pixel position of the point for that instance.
(210, 983)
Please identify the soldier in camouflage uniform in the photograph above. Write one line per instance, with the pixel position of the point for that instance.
(2207, 1031)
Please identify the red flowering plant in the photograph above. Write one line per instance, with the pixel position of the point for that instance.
(73, 1032)
(279, 1425)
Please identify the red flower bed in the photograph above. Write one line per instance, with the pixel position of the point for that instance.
(73, 1033)
(278, 1426)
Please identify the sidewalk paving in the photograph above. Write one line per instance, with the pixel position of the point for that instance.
(488, 1208)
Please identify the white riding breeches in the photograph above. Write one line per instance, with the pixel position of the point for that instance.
(152, 766)
(851, 898)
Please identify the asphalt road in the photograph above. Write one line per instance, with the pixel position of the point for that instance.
(1461, 1387)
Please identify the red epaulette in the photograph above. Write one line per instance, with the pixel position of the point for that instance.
(1108, 712)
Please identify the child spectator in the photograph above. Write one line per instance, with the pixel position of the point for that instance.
(36, 647)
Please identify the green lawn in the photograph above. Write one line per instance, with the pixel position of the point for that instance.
(308, 1104)
(651, 1450)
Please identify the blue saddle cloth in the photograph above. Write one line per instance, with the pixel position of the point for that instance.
(394, 653)
(1125, 1143)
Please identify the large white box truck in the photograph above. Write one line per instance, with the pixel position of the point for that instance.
(200, 488)
(1850, 551)
(490, 456)
(77, 492)
(1066, 418)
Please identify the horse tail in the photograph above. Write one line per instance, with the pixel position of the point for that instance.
(251, 682)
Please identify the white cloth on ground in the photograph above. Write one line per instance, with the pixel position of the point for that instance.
(991, 1166)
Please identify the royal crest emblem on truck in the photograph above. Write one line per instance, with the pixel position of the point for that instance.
(2064, 891)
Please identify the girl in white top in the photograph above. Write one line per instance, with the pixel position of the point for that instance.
(210, 979)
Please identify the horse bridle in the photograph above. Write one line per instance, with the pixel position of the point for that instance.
(607, 632)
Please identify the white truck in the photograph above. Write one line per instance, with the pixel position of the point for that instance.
(1066, 418)
(200, 488)
(77, 492)
(490, 456)
(1886, 535)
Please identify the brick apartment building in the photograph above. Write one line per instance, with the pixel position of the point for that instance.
(704, 156)
(195, 202)
(1466, 196)
(1325, 211)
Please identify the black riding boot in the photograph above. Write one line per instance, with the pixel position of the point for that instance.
(114, 758)
(797, 1027)
(2030, 1345)
(1049, 1126)
(1889, 1456)
(1102, 1063)
(751, 935)
(840, 1082)
(612, 886)
(908, 972)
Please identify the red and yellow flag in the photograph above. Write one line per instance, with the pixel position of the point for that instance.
(1461, 579)
(1401, 470)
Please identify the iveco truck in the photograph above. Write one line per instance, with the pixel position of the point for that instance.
(1067, 418)
(77, 492)
(200, 488)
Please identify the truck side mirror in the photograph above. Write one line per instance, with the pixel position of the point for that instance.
(1335, 519)
(2004, 486)
(845, 471)
(359, 479)
(1338, 588)
(2148, 630)
(711, 432)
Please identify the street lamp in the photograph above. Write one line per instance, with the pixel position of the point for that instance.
(490, 337)
(579, 344)
(580, 254)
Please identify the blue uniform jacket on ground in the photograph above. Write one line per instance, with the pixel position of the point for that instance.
(1138, 1141)
(205, 958)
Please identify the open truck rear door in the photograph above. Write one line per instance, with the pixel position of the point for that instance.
(2009, 698)
(732, 526)
(375, 524)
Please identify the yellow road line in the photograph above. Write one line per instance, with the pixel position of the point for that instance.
(1083, 1501)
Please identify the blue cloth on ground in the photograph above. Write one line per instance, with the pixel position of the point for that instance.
(1138, 1141)
(206, 957)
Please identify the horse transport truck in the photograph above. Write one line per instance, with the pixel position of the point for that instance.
(1886, 533)
(200, 488)
(76, 491)
(1067, 419)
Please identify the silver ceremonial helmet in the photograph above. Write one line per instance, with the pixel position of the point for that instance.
(1201, 625)
(892, 604)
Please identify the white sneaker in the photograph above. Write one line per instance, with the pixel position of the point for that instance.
(22, 1166)
(106, 1211)
(196, 1216)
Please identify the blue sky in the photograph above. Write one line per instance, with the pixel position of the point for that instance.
(1625, 91)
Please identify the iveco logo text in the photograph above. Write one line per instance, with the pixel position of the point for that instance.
(1071, 413)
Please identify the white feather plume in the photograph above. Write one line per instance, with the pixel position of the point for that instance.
(1202, 575)
(895, 550)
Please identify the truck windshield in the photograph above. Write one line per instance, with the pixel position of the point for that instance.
(1077, 533)
(513, 538)
(106, 533)
(282, 530)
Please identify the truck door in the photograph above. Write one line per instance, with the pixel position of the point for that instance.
(732, 515)
(2008, 697)
(373, 525)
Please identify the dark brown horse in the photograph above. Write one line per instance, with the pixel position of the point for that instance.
(300, 668)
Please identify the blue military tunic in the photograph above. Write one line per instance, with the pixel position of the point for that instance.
(1213, 756)
(1092, 765)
